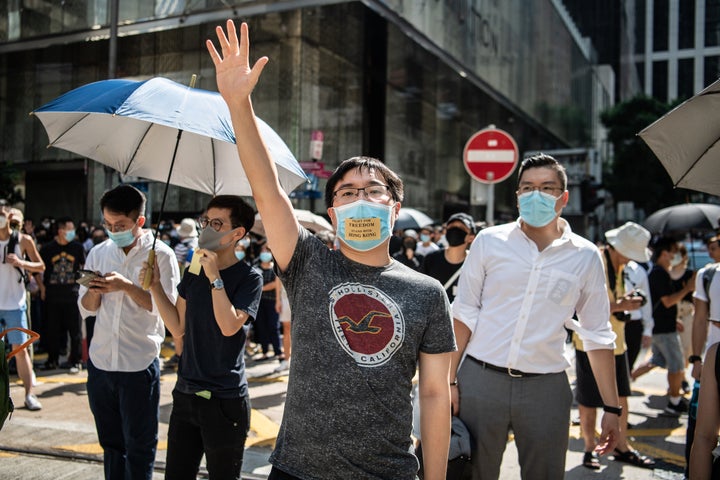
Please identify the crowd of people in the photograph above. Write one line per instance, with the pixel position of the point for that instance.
(482, 315)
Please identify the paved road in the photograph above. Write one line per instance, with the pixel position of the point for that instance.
(59, 441)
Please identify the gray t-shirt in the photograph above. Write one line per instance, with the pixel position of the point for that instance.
(357, 332)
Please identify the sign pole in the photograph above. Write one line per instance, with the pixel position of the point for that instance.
(490, 212)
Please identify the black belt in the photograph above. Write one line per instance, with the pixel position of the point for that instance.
(506, 370)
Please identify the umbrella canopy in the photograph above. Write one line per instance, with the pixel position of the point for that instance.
(686, 218)
(411, 218)
(306, 218)
(133, 128)
(685, 140)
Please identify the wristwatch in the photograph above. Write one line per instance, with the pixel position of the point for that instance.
(616, 410)
(694, 358)
(218, 284)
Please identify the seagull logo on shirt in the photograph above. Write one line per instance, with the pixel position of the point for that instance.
(367, 323)
(364, 325)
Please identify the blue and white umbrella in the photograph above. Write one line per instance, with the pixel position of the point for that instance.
(160, 130)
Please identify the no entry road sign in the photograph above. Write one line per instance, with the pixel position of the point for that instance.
(491, 155)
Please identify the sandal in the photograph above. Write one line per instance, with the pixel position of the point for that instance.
(633, 457)
(591, 461)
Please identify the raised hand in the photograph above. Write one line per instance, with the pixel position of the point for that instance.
(235, 78)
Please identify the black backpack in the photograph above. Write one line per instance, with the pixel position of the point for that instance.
(12, 243)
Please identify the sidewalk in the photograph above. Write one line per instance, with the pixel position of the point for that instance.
(59, 441)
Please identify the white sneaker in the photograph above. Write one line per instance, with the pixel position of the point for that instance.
(284, 365)
(32, 403)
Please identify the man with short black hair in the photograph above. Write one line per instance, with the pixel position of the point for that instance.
(362, 322)
(63, 257)
(519, 288)
(123, 382)
(444, 265)
(666, 347)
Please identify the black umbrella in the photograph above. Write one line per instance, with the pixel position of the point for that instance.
(692, 218)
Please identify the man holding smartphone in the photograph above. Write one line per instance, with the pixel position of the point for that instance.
(123, 366)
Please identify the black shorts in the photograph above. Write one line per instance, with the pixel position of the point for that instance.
(586, 389)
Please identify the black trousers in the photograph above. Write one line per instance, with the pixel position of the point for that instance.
(633, 339)
(62, 319)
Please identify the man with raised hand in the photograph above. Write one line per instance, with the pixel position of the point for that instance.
(361, 321)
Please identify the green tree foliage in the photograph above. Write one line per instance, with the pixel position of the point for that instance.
(9, 177)
(635, 174)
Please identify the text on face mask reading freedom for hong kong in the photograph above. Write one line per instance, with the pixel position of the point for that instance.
(362, 228)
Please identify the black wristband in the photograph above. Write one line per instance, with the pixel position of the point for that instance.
(616, 410)
(694, 358)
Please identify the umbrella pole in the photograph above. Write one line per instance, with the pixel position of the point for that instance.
(151, 254)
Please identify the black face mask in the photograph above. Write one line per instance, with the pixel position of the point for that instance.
(411, 244)
(455, 236)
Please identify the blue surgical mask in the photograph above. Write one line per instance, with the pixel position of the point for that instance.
(363, 225)
(122, 239)
(537, 209)
(240, 255)
(69, 235)
(424, 238)
(265, 257)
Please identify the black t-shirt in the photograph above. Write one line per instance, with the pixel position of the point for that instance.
(61, 264)
(661, 285)
(210, 360)
(268, 276)
(437, 266)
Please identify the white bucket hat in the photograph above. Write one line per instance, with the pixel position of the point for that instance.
(631, 241)
(187, 228)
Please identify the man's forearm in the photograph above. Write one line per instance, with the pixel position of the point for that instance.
(139, 296)
(435, 419)
(603, 368)
(91, 301)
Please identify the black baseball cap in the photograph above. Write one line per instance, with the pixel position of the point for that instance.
(466, 219)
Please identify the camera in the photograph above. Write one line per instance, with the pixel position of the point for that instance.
(622, 316)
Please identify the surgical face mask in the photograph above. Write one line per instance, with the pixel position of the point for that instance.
(537, 209)
(209, 239)
(122, 239)
(363, 225)
(265, 257)
(455, 236)
(3, 221)
(424, 237)
(240, 255)
(676, 260)
(409, 243)
(97, 240)
(69, 235)
(165, 241)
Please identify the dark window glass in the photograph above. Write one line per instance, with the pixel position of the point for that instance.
(660, 26)
(686, 67)
(712, 70)
(640, 26)
(712, 23)
(640, 71)
(686, 24)
(660, 80)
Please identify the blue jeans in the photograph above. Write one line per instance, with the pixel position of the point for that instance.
(216, 427)
(126, 410)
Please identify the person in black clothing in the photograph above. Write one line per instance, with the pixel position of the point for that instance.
(444, 264)
(63, 257)
(406, 255)
(267, 324)
(666, 347)
(211, 406)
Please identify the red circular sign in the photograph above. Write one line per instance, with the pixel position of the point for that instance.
(491, 155)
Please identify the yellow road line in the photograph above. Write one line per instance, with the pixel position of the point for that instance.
(264, 428)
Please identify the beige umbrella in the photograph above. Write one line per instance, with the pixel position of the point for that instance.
(306, 218)
(685, 140)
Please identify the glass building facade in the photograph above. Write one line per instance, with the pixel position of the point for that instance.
(406, 81)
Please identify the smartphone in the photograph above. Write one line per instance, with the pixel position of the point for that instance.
(85, 277)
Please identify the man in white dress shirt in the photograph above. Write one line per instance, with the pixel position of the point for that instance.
(521, 284)
(123, 369)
